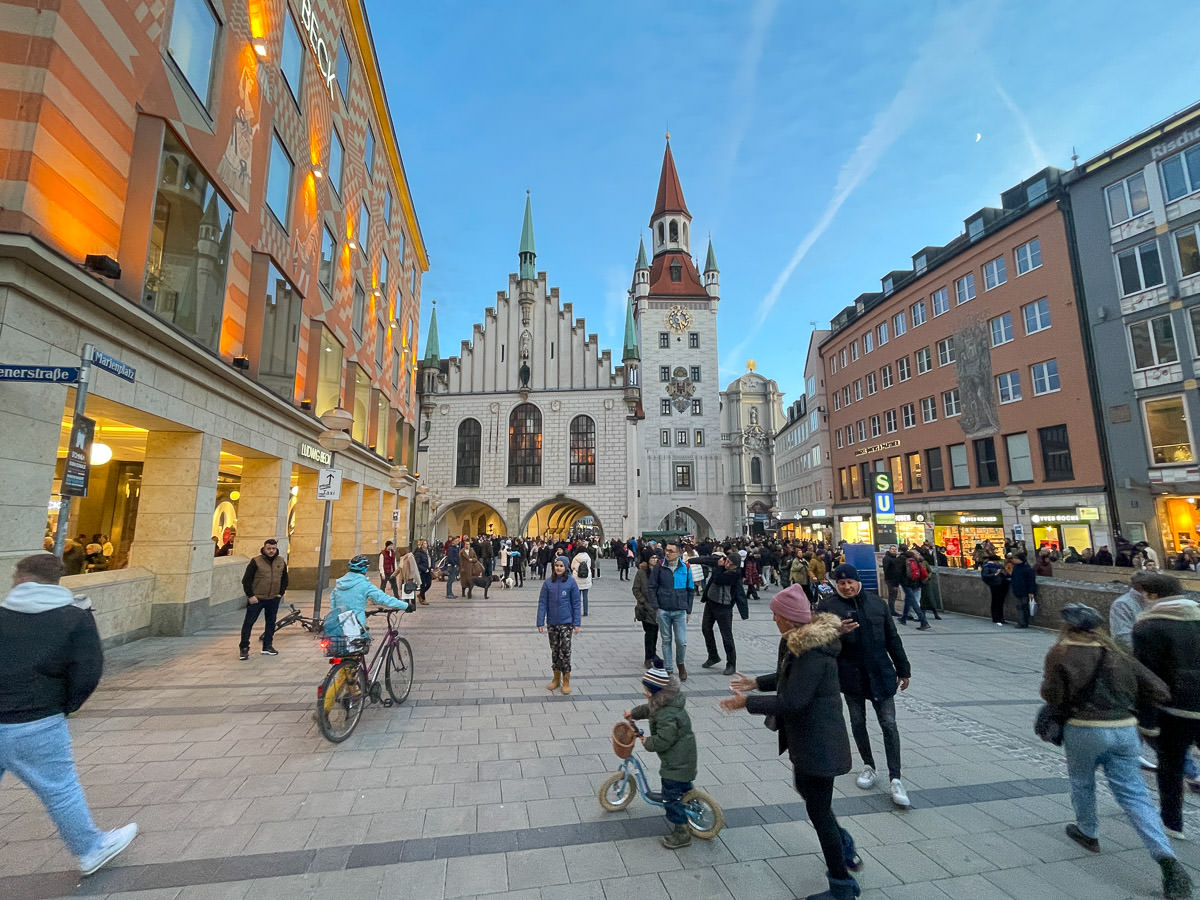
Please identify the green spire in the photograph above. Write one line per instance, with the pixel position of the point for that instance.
(432, 354)
(528, 254)
(631, 342)
(710, 263)
(641, 260)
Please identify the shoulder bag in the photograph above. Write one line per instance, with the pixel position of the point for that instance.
(1049, 721)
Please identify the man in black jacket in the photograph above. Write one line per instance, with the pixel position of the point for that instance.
(871, 666)
(264, 582)
(49, 638)
(722, 592)
(893, 576)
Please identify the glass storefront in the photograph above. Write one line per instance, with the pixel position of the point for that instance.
(1180, 522)
(856, 530)
(912, 530)
(960, 532)
(1058, 529)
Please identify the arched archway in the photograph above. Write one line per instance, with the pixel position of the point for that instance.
(688, 521)
(561, 516)
(472, 517)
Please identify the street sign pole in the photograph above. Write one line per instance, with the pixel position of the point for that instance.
(326, 527)
(81, 392)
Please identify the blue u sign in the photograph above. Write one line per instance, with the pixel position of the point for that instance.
(884, 504)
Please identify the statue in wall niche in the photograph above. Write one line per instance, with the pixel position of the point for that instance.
(976, 394)
(754, 415)
(526, 346)
(523, 374)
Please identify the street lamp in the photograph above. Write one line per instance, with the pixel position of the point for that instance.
(333, 439)
(1015, 497)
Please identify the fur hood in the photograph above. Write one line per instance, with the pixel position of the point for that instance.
(666, 696)
(1180, 609)
(825, 628)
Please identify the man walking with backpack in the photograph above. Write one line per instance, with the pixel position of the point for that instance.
(913, 577)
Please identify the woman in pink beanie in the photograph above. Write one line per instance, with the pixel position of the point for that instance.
(802, 701)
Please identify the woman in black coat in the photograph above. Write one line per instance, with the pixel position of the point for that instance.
(803, 703)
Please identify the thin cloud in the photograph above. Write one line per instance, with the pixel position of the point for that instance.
(1035, 151)
(950, 47)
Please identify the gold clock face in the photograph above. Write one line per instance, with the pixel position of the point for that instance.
(679, 319)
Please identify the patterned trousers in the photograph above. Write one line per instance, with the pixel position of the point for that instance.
(560, 647)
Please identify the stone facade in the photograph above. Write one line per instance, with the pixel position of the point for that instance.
(751, 416)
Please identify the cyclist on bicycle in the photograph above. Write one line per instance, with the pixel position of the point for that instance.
(354, 589)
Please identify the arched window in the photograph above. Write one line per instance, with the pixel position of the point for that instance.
(685, 237)
(674, 231)
(467, 468)
(583, 450)
(755, 470)
(660, 232)
(525, 445)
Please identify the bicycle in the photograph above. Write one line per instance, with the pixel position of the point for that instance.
(705, 817)
(306, 622)
(352, 683)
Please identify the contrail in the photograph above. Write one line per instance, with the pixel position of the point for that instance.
(1039, 158)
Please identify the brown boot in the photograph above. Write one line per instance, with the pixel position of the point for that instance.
(679, 836)
(553, 685)
(423, 601)
(566, 684)
(682, 673)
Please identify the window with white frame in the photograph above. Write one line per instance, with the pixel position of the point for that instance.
(862, 429)
(681, 437)
(846, 395)
(832, 362)
(899, 323)
(924, 361)
(1139, 268)
(841, 442)
(868, 342)
(885, 377)
(858, 395)
(697, 407)
(883, 333)
(1187, 250)
(664, 437)
(964, 289)
(1152, 342)
(1194, 319)
(1037, 316)
(694, 373)
(1001, 328)
(908, 415)
(940, 300)
(1181, 173)
(872, 383)
(1045, 377)
(945, 350)
(917, 310)
(928, 409)
(876, 427)
(854, 351)
(664, 373)
(664, 407)
(1020, 461)
(950, 404)
(192, 44)
(849, 434)
(960, 472)
(889, 421)
(995, 273)
(1029, 256)
(1127, 199)
(1168, 431)
(837, 400)
(903, 370)
(1008, 386)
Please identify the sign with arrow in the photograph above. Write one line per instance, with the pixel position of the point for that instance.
(329, 484)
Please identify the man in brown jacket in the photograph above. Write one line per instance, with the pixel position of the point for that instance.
(265, 581)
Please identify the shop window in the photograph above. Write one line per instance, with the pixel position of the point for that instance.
(193, 44)
(189, 248)
(933, 468)
(985, 462)
(1152, 343)
(329, 374)
(960, 475)
(1020, 462)
(583, 450)
(912, 464)
(1056, 453)
(1167, 431)
(843, 485)
(896, 468)
(280, 344)
(525, 445)
(466, 469)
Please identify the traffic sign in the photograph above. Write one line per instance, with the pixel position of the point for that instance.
(52, 374)
(110, 364)
(885, 509)
(329, 484)
(395, 515)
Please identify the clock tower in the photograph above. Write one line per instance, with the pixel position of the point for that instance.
(681, 478)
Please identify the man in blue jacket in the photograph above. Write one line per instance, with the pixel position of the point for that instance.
(1024, 586)
(670, 590)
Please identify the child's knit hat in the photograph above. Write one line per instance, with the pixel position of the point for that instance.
(656, 677)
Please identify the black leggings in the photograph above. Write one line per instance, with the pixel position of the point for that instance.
(999, 595)
(651, 635)
(818, 802)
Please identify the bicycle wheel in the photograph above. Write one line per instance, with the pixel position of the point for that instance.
(398, 670)
(617, 791)
(340, 701)
(704, 816)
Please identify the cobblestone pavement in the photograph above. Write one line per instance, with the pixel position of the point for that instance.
(483, 783)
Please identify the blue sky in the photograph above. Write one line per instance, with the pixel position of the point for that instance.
(820, 145)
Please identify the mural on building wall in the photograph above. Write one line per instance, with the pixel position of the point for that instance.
(235, 165)
(976, 395)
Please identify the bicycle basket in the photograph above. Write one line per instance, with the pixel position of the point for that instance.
(624, 736)
(338, 645)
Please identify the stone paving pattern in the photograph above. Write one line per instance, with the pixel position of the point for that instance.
(483, 783)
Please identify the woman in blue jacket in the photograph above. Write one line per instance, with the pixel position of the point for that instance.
(559, 611)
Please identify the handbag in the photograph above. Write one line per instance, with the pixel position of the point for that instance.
(1048, 722)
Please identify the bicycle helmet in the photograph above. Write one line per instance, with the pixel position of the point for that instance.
(360, 563)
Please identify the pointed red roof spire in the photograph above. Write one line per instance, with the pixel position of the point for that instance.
(670, 194)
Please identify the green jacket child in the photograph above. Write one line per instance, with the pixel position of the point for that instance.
(672, 738)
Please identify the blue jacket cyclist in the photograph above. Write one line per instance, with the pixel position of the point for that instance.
(354, 589)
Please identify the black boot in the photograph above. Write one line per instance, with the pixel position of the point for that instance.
(1176, 884)
(839, 889)
(730, 668)
(710, 662)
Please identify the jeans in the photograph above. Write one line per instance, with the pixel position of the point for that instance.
(651, 639)
(818, 803)
(271, 609)
(451, 577)
(1178, 734)
(673, 791)
(39, 754)
(1116, 749)
(722, 616)
(426, 581)
(885, 712)
(912, 600)
(672, 625)
(583, 598)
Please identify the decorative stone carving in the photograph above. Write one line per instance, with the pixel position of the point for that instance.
(976, 394)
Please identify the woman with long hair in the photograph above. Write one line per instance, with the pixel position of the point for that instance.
(558, 613)
(1099, 689)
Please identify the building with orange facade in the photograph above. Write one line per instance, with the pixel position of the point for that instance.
(210, 192)
(966, 379)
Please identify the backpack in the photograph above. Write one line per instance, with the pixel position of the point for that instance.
(583, 571)
(917, 572)
(992, 573)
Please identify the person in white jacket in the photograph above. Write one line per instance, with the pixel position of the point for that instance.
(584, 581)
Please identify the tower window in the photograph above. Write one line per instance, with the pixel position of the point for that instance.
(664, 340)
(694, 340)
(674, 231)
(676, 271)
(661, 237)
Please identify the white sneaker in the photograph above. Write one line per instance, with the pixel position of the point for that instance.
(111, 843)
(867, 779)
(1178, 835)
(899, 796)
